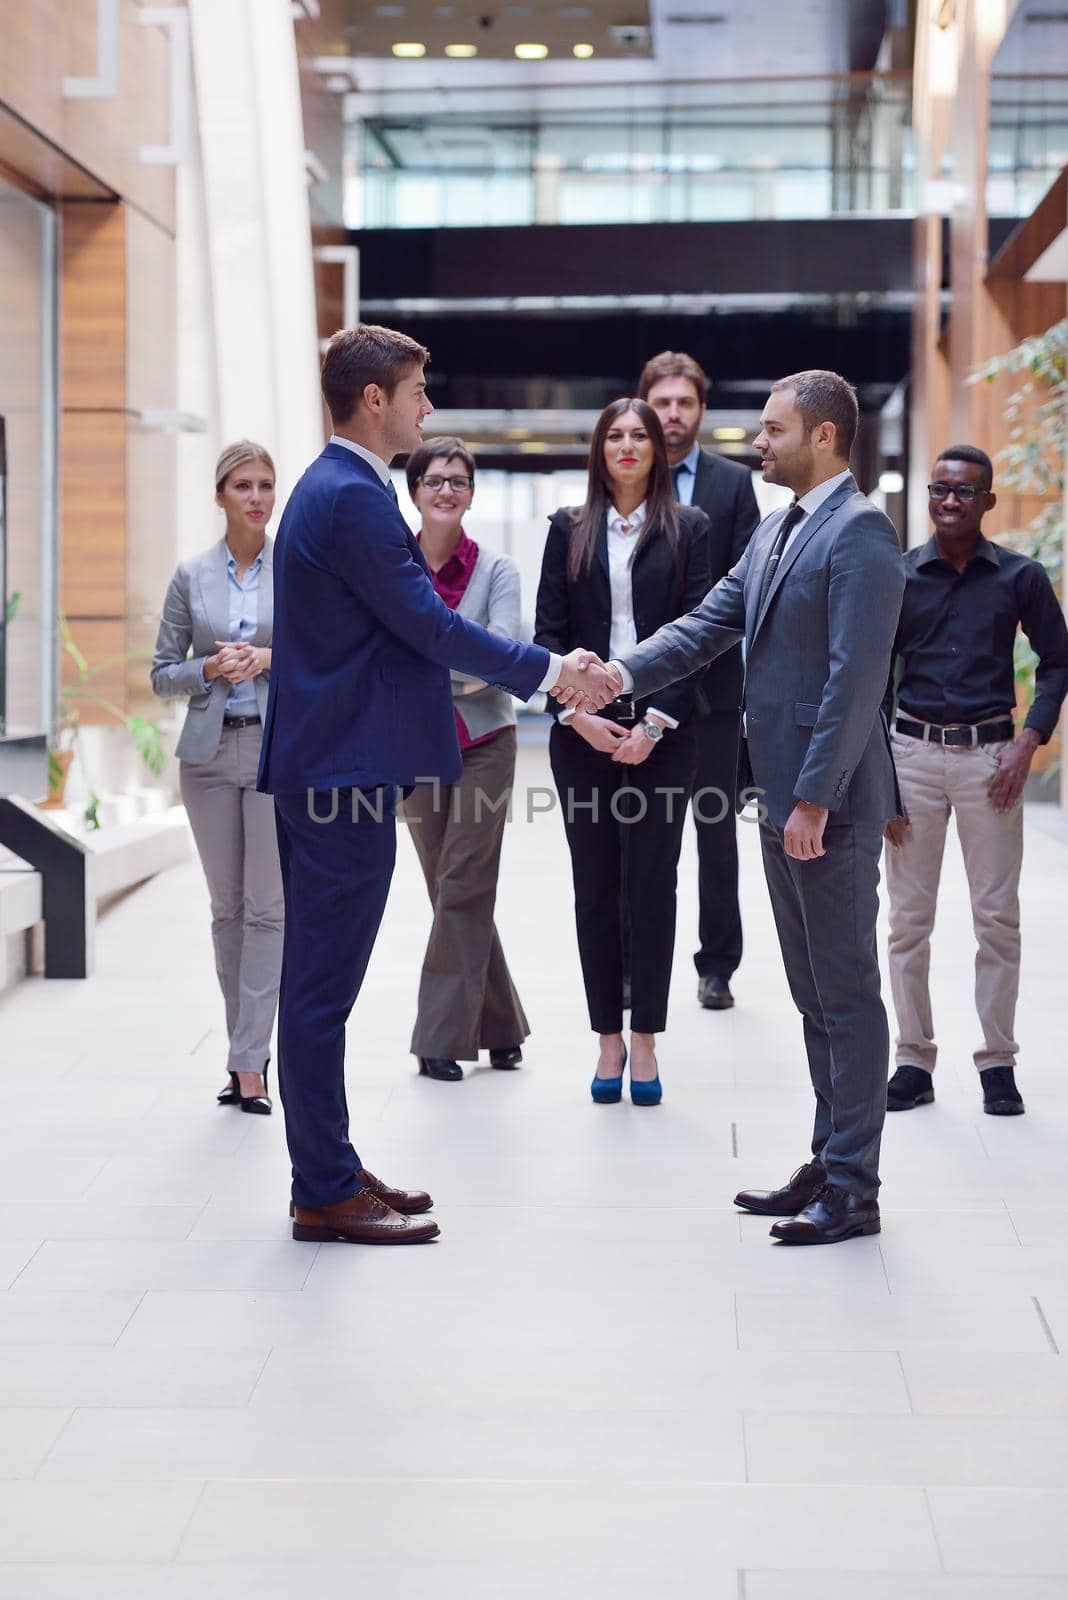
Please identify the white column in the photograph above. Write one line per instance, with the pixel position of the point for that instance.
(248, 244)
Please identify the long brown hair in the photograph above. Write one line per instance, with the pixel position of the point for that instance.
(661, 507)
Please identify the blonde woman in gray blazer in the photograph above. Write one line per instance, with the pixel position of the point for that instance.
(467, 1000)
(214, 645)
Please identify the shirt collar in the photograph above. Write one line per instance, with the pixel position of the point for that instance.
(634, 521)
(988, 551)
(689, 460)
(381, 467)
(231, 562)
(812, 501)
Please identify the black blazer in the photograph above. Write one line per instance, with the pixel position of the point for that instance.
(724, 491)
(570, 614)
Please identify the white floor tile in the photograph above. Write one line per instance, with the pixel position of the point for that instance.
(139, 1265)
(1026, 1452)
(897, 1322)
(50, 1319)
(94, 1521)
(1011, 1531)
(103, 1375)
(27, 1433)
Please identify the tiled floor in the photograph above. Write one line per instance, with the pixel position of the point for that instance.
(601, 1383)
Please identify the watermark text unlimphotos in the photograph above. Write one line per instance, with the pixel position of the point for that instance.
(625, 805)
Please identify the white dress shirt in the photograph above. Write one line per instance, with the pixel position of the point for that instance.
(809, 503)
(623, 535)
(556, 663)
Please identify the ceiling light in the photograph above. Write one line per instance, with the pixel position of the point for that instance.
(730, 435)
(891, 482)
(583, 51)
(410, 52)
(532, 52)
(461, 52)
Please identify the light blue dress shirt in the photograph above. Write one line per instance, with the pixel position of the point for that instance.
(244, 618)
(685, 474)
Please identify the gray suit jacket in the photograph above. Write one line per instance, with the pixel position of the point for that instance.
(817, 657)
(196, 612)
(492, 599)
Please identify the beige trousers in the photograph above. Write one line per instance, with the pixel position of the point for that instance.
(936, 782)
(467, 1000)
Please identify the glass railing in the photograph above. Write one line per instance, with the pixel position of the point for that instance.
(783, 148)
(1028, 146)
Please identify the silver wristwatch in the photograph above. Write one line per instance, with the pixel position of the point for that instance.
(652, 730)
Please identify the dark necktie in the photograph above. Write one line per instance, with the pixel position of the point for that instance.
(391, 491)
(786, 527)
(676, 473)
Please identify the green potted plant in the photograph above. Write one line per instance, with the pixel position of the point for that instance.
(73, 699)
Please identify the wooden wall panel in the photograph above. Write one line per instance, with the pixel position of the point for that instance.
(93, 536)
(94, 306)
(41, 41)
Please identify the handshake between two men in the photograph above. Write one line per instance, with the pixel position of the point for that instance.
(586, 683)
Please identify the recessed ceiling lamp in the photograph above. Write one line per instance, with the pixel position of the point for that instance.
(730, 435)
(532, 52)
(583, 51)
(410, 51)
(461, 52)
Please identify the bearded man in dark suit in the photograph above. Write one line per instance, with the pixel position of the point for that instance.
(677, 388)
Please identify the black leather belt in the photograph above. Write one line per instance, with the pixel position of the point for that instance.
(959, 734)
(241, 722)
(621, 710)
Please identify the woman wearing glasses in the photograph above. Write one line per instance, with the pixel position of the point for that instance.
(467, 1000)
(615, 570)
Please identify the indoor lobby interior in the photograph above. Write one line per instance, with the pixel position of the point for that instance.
(603, 1380)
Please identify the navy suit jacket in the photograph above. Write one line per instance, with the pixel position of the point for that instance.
(362, 650)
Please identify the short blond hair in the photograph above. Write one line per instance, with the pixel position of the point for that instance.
(234, 454)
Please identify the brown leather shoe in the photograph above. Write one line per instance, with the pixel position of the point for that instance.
(793, 1197)
(409, 1202)
(832, 1215)
(363, 1219)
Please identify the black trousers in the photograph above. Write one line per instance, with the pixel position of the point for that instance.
(720, 920)
(606, 808)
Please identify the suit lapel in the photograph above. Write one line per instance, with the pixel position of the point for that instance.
(702, 480)
(215, 590)
(265, 595)
(808, 529)
(600, 548)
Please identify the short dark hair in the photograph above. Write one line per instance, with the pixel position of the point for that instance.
(972, 453)
(823, 396)
(449, 447)
(366, 354)
(673, 364)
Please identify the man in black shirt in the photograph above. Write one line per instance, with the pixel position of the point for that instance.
(955, 751)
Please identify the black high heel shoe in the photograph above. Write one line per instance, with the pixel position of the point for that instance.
(257, 1105)
(232, 1095)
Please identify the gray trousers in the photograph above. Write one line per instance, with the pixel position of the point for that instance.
(467, 1000)
(825, 913)
(235, 836)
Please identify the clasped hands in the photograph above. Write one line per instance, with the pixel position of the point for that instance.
(237, 662)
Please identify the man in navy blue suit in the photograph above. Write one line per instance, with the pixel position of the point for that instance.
(360, 705)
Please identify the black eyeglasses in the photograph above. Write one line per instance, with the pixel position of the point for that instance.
(964, 492)
(433, 481)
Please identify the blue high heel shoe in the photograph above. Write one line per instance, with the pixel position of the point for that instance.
(649, 1093)
(608, 1091)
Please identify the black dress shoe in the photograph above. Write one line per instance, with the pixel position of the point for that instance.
(505, 1060)
(714, 994)
(790, 1199)
(909, 1087)
(257, 1105)
(444, 1071)
(1001, 1098)
(832, 1215)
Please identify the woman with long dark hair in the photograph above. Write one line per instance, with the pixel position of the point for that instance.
(614, 570)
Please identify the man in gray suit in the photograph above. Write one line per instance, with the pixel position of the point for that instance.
(816, 597)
